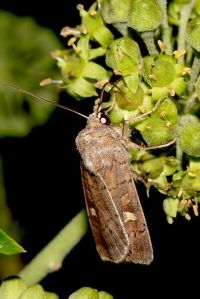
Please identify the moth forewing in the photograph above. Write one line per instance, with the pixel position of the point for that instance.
(115, 213)
(110, 237)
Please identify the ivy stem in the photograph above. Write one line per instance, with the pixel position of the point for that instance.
(185, 14)
(166, 34)
(149, 40)
(50, 258)
(194, 73)
(122, 28)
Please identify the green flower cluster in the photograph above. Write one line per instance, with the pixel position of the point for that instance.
(149, 50)
(79, 71)
(15, 288)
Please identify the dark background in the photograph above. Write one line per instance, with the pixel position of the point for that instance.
(44, 192)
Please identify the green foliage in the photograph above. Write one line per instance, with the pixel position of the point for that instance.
(8, 245)
(24, 62)
(156, 56)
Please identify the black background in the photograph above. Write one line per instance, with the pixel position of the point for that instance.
(44, 192)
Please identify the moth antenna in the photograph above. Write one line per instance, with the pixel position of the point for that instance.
(45, 99)
(103, 89)
(102, 92)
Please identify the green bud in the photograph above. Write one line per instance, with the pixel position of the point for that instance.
(85, 293)
(186, 120)
(33, 292)
(179, 85)
(171, 165)
(15, 288)
(191, 182)
(144, 15)
(11, 288)
(104, 295)
(116, 115)
(115, 11)
(153, 167)
(159, 93)
(123, 56)
(159, 70)
(80, 88)
(178, 177)
(170, 206)
(158, 128)
(50, 295)
(189, 140)
(193, 33)
(127, 100)
(89, 293)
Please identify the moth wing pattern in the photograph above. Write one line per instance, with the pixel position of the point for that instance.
(140, 247)
(115, 213)
(110, 238)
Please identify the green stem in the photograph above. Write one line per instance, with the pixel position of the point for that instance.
(148, 38)
(50, 258)
(194, 73)
(122, 28)
(179, 156)
(166, 31)
(185, 15)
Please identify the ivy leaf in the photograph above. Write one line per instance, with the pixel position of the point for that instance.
(8, 245)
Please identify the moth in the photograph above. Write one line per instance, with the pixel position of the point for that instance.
(113, 206)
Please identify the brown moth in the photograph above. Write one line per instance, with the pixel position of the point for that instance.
(113, 206)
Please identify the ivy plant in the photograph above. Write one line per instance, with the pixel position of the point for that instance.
(148, 51)
(144, 55)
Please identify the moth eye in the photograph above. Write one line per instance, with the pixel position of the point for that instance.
(103, 118)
